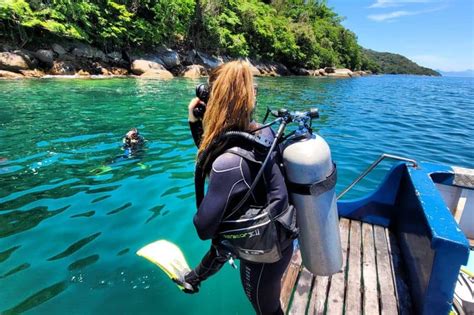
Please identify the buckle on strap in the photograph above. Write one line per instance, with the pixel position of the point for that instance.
(317, 188)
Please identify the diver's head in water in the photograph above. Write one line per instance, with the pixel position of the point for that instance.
(132, 142)
(231, 101)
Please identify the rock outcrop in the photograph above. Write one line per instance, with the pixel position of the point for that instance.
(340, 73)
(140, 66)
(194, 72)
(170, 58)
(62, 68)
(58, 49)
(10, 75)
(45, 56)
(83, 60)
(14, 62)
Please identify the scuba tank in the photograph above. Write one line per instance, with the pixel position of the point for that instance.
(311, 178)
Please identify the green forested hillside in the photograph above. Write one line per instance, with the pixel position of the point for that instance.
(397, 64)
(298, 33)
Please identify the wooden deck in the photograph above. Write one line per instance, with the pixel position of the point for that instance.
(371, 280)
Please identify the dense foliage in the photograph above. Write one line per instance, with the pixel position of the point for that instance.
(397, 64)
(295, 32)
(300, 33)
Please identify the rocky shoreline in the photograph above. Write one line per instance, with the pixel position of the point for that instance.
(78, 60)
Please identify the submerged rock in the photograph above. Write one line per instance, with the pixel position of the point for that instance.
(14, 61)
(157, 74)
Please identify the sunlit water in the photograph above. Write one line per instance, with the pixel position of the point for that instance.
(73, 212)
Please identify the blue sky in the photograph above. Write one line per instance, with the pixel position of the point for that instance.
(438, 34)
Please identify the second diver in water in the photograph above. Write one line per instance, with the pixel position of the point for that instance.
(133, 142)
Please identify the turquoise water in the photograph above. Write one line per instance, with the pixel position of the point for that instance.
(73, 213)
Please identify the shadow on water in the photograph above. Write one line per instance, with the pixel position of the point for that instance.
(38, 298)
(84, 262)
(18, 221)
(15, 270)
(121, 208)
(75, 247)
(156, 212)
(7, 253)
(86, 214)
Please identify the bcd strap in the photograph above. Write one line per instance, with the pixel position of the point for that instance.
(314, 189)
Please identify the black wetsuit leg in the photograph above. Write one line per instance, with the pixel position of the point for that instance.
(262, 283)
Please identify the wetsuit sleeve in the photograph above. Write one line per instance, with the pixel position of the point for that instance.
(226, 185)
(196, 131)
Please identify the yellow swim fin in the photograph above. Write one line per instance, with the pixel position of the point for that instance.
(169, 258)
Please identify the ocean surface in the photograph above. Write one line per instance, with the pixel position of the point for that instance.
(73, 210)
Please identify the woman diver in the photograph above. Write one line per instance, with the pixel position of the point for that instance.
(229, 201)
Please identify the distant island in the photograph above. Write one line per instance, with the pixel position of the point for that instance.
(396, 64)
(460, 74)
(183, 38)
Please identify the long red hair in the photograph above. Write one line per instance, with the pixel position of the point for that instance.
(231, 101)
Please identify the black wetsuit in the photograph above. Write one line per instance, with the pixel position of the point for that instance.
(229, 180)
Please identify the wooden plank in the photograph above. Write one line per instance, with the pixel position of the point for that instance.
(335, 302)
(319, 296)
(354, 284)
(369, 273)
(401, 287)
(388, 298)
(289, 279)
(301, 295)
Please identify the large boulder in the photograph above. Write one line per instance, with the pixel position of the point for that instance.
(207, 60)
(194, 72)
(14, 61)
(115, 56)
(170, 58)
(303, 71)
(157, 74)
(140, 66)
(190, 57)
(118, 71)
(89, 52)
(62, 68)
(10, 75)
(58, 49)
(341, 73)
(330, 70)
(45, 56)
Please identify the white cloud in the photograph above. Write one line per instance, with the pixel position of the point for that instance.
(394, 3)
(396, 14)
(390, 16)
